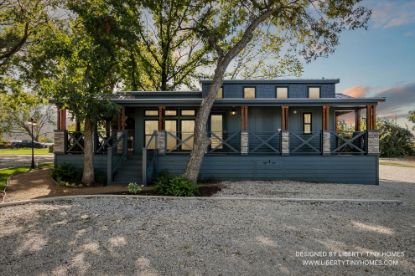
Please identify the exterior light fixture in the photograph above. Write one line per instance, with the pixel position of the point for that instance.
(295, 111)
(233, 112)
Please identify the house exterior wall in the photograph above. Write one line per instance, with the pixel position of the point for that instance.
(295, 90)
(327, 169)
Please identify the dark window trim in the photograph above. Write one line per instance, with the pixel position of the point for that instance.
(144, 130)
(187, 116)
(151, 116)
(223, 93)
(311, 122)
(282, 86)
(243, 91)
(171, 109)
(313, 86)
(180, 132)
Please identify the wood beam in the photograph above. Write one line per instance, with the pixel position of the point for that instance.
(161, 117)
(284, 117)
(58, 118)
(244, 118)
(63, 117)
(326, 117)
(371, 117)
(357, 119)
(121, 119)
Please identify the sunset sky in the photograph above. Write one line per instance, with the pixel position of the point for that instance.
(379, 61)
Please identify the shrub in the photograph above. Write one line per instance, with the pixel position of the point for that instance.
(66, 172)
(176, 186)
(394, 140)
(134, 188)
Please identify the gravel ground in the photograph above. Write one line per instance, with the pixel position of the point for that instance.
(214, 236)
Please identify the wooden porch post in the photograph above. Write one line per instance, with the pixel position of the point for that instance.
(325, 134)
(357, 119)
(161, 118)
(244, 130)
(284, 117)
(371, 117)
(121, 119)
(77, 125)
(326, 117)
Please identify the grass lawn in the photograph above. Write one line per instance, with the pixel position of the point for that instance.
(396, 164)
(23, 151)
(6, 173)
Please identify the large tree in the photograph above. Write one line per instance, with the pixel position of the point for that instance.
(227, 27)
(18, 109)
(77, 63)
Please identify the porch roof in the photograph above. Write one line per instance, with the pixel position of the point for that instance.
(193, 101)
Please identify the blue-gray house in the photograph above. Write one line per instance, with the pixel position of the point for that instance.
(258, 129)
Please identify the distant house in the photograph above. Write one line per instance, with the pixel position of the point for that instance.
(258, 129)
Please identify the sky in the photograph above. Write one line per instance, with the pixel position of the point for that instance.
(379, 61)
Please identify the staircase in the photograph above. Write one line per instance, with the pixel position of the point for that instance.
(129, 171)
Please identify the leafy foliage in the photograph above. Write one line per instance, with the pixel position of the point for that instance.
(67, 173)
(411, 117)
(176, 186)
(134, 188)
(394, 141)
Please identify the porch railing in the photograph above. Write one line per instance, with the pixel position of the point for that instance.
(76, 140)
(264, 142)
(116, 157)
(302, 143)
(349, 142)
(149, 158)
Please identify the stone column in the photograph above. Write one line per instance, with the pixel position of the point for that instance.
(161, 142)
(285, 142)
(372, 142)
(244, 142)
(326, 142)
(60, 141)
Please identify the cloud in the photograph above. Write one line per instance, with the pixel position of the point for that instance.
(389, 14)
(357, 91)
(399, 100)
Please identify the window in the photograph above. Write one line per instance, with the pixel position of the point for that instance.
(188, 112)
(149, 127)
(171, 129)
(216, 128)
(151, 113)
(187, 127)
(219, 95)
(307, 121)
(314, 92)
(170, 112)
(249, 92)
(282, 92)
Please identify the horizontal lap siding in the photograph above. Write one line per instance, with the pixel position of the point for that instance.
(336, 169)
(76, 160)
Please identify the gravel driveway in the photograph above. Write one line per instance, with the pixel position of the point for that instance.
(215, 236)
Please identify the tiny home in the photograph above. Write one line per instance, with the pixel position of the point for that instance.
(258, 130)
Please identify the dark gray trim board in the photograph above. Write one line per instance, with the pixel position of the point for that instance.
(326, 169)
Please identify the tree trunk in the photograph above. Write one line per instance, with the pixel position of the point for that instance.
(88, 176)
(201, 140)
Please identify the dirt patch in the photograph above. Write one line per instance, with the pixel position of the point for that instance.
(39, 184)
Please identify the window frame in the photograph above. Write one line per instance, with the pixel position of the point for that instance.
(310, 123)
(276, 92)
(145, 115)
(188, 116)
(181, 133)
(243, 92)
(170, 115)
(223, 93)
(144, 132)
(319, 92)
(210, 128)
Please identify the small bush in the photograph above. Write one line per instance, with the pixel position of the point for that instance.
(176, 186)
(67, 173)
(134, 188)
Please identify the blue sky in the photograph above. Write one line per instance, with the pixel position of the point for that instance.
(379, 61)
